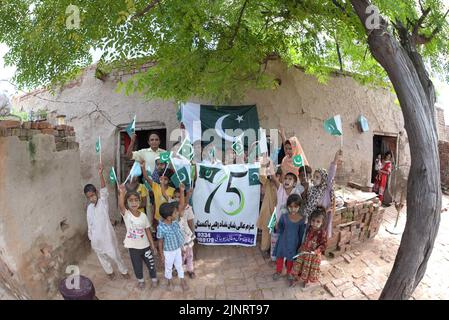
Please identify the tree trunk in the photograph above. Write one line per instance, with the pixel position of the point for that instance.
(416, 96)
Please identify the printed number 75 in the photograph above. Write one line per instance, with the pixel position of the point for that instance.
(228, 189)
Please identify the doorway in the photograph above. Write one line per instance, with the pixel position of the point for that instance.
(141, 143)
(381, 144)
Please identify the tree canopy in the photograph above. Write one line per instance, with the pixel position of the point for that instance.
(216, 49)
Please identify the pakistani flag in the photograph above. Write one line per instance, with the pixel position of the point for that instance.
(333, 126)
(186, 150)
(98, 146)
(253, 175)
(164, 157)
(181, 175)
(198, 118)
(297, 161)
(238, 147)
(272, 222)
(112, 176)
(208, 173)
(131, 128)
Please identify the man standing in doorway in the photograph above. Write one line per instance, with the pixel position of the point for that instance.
(148, 155)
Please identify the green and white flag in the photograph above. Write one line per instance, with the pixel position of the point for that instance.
(186, 150)
(333, 126)
(113, 176)
(198, 118)
(208, 173)
(131, 128)
(272, 222)
(98, 145)
(297, 161)
(181, 175)
(238, 147)
(164, 157)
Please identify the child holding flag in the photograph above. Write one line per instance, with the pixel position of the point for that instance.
(322, 192)
(100, 231)
(171, 239)
(138, 238)
(307, 265)
(188, 230)
(268, 203)
(162, 192)
(291, 227)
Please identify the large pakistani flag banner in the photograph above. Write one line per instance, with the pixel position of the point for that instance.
(226, 204)
(198, 118)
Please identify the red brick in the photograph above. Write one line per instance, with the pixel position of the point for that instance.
(9, 124)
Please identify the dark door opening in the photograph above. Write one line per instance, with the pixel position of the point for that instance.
(141, 143)
(382, 144)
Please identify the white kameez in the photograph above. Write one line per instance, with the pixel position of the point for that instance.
(101, 233)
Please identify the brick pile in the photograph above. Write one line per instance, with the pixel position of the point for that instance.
(64, 135)
(443, 148)
(353, 224)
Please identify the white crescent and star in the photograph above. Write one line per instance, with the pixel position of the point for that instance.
(221, 133)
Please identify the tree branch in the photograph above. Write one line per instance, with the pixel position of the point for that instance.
(239, 21)
(146, 9)
(420, 21)
(422, 39)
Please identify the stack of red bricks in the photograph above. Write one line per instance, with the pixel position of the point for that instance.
(354, 223)
(64, 135)
(443, 148)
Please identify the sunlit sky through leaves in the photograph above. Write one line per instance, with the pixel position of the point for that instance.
(7, 73)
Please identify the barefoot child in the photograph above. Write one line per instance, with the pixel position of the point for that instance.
(291, 228)
(100, 231)
(138, 238)
(307, 266)
(171, 239)
(284, 190)
(186, 223)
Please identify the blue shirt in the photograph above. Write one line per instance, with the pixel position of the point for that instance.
(172, 235)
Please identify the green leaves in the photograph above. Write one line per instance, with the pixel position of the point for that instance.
(216, 50)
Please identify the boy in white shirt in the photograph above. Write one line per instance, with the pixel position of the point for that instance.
(100, 231)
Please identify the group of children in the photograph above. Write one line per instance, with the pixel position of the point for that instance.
(303, 202)
(175, 228)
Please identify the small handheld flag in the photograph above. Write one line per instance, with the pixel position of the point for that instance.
(135, 171)
(164, 157)
(297, 161)
(113, 176)
(333, 125)
(131, 128)
(98, 147)
(186, 149)
(238, 148)
(272, 222)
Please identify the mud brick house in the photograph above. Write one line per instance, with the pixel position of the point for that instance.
(300, 104)
(43, 227)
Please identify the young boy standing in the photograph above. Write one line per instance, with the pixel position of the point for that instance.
(171, 239)
(100, 231)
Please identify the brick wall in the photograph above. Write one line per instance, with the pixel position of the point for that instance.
(441, 125)
(64, 135)
(443, 147)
